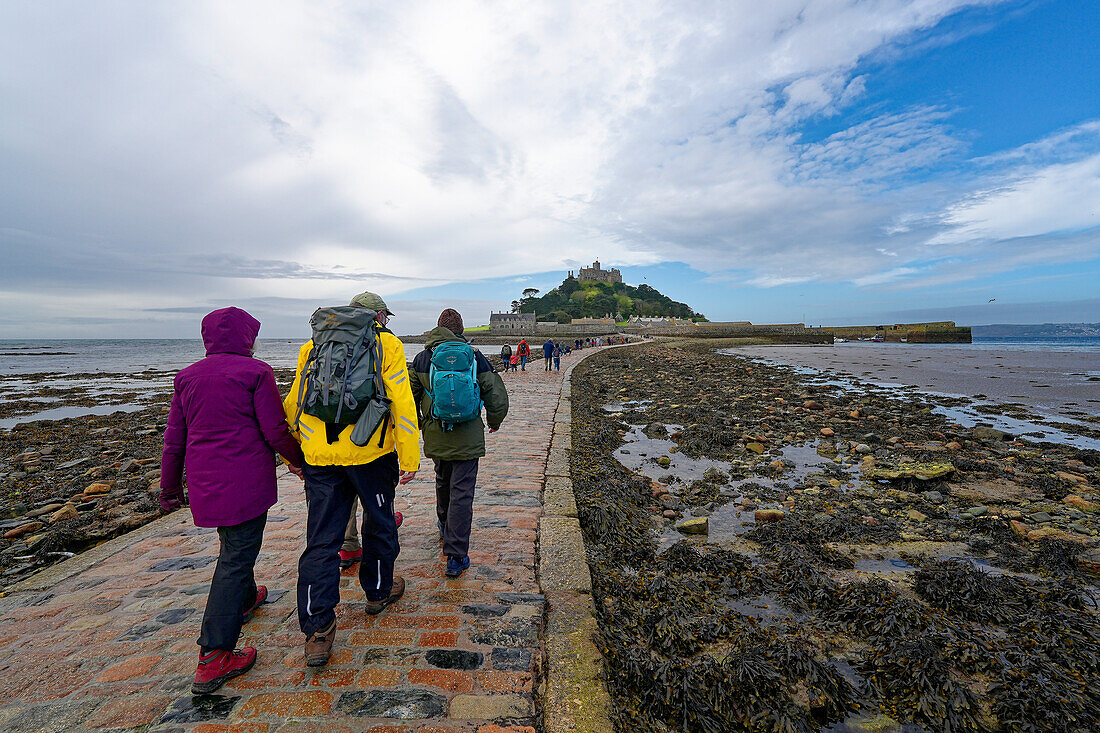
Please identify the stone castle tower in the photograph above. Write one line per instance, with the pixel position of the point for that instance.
(595, 274)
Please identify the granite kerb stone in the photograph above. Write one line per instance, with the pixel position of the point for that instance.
(558, 499)
(572, 693)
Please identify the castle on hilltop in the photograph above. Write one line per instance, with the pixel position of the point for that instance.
(595, 274)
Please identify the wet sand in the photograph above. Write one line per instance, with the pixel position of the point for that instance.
(1054, 382)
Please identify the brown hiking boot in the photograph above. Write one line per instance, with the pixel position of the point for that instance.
(396, 592)
(319, 646)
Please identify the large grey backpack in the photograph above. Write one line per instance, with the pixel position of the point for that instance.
(342, 376)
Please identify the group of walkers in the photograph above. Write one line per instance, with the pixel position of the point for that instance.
(349, 428)
(551, 352)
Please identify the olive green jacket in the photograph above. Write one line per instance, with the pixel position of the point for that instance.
(465, 440)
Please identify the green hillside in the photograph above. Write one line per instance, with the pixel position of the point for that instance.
(574, 299)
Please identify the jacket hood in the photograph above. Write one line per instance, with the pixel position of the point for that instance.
(229, 331)
(439, 335)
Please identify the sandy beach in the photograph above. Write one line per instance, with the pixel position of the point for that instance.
(1053, 382)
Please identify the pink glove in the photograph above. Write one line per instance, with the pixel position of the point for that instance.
(171, 499)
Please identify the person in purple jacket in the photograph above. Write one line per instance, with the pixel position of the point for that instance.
(224, 426)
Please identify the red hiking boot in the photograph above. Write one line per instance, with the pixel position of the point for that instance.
(261, 598)
(347, 559)
(219, 666)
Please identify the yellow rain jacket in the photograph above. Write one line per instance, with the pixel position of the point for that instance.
(402, 431)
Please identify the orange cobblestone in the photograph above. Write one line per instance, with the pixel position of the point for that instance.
(287, 704)
(446, 678)
(129, 669)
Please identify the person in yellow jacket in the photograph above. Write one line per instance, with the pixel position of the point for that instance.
(337, 473)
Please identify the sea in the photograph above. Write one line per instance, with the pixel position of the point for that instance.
(63, 378)
(73, 370)
(131, 356)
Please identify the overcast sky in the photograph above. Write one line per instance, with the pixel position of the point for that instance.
(819, 160)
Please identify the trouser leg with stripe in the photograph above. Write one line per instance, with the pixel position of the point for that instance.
(330, 495)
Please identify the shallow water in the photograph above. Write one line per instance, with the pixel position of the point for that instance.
(60, 413)
(639, 454)
(967, 416)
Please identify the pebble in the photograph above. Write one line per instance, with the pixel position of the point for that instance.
(769, 515)
(23, 529)
(41, 511)
(1039, 517)
(827, 432)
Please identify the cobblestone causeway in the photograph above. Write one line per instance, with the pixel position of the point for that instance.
(112, 647)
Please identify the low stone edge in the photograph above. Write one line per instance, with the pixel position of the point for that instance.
(573, 696)
(49, 577)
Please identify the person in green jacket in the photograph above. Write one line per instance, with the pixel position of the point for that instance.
(455, 449)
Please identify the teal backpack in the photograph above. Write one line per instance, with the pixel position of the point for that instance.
(456, 396)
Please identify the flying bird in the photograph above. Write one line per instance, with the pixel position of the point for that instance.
(991, 300)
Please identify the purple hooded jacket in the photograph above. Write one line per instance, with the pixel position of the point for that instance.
(224, 425)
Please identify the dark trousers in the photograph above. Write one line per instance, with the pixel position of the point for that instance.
(233, 589)
(454, 503)
(547, 360)
(330, 493)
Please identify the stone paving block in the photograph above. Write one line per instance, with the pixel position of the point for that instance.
(490, 707)
(573, 697)
(557, 463)
(562, 564)
(558, 499)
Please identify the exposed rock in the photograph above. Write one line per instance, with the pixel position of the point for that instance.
(755, 447)
(983, 432)
(66, 512)
(769, 515)
(42, 511)
(827, 432)
(813, 405)
(1081, 503)
(698, 525)
(918, 471)
(23, 529)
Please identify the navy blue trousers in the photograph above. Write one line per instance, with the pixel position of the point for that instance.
(233, 588)
(330, 493)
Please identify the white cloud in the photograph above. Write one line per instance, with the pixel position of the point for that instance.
(1054, 199)
(287, 148)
